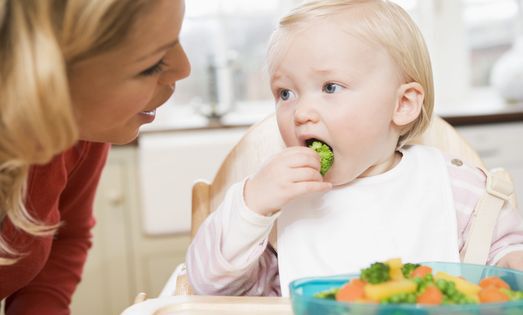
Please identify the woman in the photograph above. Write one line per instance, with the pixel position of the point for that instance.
(76, 75)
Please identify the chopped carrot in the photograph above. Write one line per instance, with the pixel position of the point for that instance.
(352, 291)
(494, 281)
(492, 295)
(421, 271)
(432, 295)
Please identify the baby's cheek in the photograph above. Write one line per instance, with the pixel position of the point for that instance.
(288, 136)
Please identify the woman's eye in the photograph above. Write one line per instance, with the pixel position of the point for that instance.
(331, 88)
(157, 68)
(286, 94)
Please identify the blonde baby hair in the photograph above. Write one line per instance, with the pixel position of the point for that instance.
(379, 22)
(39, 41)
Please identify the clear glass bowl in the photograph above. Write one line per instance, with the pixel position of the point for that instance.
(304, 303)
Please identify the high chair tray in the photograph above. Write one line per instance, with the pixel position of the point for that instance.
(216, 305)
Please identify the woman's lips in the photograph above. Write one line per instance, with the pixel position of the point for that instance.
(149, 113)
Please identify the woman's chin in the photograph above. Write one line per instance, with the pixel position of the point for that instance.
(114, 137)
(122, 142)
(124, 139)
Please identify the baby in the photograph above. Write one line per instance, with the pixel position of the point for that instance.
(355, 76)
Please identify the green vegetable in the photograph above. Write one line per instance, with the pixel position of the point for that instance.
(513, 295)
(378, 272)
(400, 298)
(327, 294)
(451, 295)
(408, 268)
(422, 283)
(326, 155)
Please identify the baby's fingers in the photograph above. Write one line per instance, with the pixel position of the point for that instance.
(310, 160)
(306, 174)
(302, 188)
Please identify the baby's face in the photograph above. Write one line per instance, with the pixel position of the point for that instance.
(331, 86)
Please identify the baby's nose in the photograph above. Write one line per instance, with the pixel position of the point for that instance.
(305, 114)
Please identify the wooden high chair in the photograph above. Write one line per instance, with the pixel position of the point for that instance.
(263, 140)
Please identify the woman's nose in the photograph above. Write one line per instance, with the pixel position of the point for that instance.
(305, 113)
(178, 66)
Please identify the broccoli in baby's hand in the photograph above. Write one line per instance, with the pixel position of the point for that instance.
(378, 272)
(326, 155)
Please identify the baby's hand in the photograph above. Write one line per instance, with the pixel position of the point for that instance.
(513, 260)
(291, 173)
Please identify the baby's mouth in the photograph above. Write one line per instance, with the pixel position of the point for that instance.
(310, 141)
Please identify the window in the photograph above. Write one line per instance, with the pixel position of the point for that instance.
(226, 41)
(491, 26)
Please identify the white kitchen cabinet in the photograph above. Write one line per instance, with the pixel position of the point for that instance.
(108, 283)
(123, 261)
(169, 163)
(499, 145)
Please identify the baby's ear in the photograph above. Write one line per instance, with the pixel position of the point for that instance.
(408, 103)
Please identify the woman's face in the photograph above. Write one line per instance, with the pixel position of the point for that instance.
(116, 92)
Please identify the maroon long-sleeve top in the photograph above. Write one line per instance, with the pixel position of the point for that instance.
(44, 279)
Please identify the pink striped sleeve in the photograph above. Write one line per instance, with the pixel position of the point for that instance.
(468, 185)
(230, 254)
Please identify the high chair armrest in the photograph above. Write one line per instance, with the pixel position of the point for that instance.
(178, 284)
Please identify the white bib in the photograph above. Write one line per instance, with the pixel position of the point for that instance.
(407, 212)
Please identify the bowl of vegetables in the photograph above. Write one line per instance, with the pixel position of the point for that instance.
(394, 288)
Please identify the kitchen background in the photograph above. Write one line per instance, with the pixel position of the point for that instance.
(144, 201)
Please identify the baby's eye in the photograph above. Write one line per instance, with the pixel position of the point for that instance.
(331, 88)
(286, 94)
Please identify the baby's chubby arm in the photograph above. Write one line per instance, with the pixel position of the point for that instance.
(293, 172)
(507, 246)
(229, 254)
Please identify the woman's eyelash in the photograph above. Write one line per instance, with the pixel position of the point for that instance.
(157, 68)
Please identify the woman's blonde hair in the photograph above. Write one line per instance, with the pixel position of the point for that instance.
(380, 22)
(39, 41)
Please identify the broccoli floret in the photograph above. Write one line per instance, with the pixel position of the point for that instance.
(451, 295)
(326, 155)
(327, 294)
(377, 273)
(408, 268)
(513, 295)
(400, 298)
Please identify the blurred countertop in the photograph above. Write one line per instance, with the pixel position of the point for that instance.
(483, 107)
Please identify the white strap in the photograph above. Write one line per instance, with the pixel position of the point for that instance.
(484, 218)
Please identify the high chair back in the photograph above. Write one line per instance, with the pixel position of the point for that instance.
(263, 140)
(259, 142)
